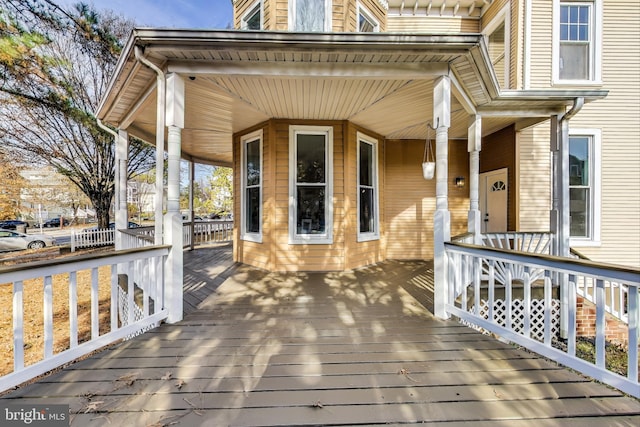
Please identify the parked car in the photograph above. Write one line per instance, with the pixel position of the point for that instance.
(55, 222)
(12, 224)
(112, 226)
(13, 241)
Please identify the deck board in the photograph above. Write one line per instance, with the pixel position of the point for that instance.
(353, 348)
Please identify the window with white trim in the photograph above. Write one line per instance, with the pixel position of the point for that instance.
(577, 29)
(252, 19)
(366, 22)
(251, 196)
(584, 198)
(311, 184)
(498, 39)
(310, 15)
(368, 216)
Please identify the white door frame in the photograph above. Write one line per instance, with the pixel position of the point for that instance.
(493, 211)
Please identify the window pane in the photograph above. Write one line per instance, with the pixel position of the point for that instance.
(310, 156)
(310, 215)
(366, 25)
(253, 21)
(574, 61)
(253, 210)
(366, 164)
(579, 161)
(310, 15)
(253, 162)
(367, 213)
(579, 211)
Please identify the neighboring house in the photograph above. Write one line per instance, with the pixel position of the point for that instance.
(326, 132)
(46, 195)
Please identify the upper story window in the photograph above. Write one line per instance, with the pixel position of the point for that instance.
(311, 184)
(577, 28)
(252, 20)
(497, 37)
(368, 217)
(366, 22)
(310, 15)
(584, 205)
(251, 196)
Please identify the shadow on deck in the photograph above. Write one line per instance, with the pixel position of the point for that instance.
(348, 348)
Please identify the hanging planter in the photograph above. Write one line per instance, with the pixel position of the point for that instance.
(428, 160)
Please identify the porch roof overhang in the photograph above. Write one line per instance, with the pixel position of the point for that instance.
(380, 81)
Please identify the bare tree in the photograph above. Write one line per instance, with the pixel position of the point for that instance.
(52, 77)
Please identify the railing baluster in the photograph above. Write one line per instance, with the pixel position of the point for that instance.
(48, 316)
(508, 291)
(131, 291)
(492, 289)
(547, 308)
(634, 318)
(600, 324)
(571, 318)
(18, 326)
(114, 297)
(476, 285)
(73, 309)
(95, 305)
(527, 303)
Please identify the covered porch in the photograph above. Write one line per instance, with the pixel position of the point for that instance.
(342, 348)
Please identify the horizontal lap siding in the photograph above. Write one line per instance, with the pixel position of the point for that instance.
(541, 44)
(358, 254)
(300, 257)
(410, 199)
(534, 187)
(618, 118)
(417, 24)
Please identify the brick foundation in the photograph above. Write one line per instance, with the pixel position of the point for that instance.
(615, 331)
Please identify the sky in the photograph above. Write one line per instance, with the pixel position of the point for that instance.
(200, 14)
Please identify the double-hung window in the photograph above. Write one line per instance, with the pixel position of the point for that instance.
(577, 30)
(252, 20)
(310, 15)
(584, 199)
(366, 22)
(251, 198)
(368, 217)
(310, 184)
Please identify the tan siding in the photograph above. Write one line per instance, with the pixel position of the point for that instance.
(618, 118)
(282, 15)
(499, 151)
(517, 41)
(534, 187)
(339, 16)
(410, 199)
(411, 24)
(541, 41)
(493, 11)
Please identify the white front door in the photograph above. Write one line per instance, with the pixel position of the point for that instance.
(493, 201)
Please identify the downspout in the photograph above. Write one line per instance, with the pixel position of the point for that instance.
(160, 125)
(118, 178)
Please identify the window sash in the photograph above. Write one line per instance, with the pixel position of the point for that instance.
(580, 187)
(366, 22)
(311, 184)
(367, 199)
(251, 181)
(310, 15)
(576, 56)
(252, 20)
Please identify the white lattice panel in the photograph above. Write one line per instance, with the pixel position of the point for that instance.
(517, 316)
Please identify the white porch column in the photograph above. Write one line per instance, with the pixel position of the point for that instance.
(442, 217)
(559, 215)
(173, 219)
(474, 147)
(122, 163)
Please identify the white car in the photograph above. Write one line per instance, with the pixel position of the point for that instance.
(13, 241)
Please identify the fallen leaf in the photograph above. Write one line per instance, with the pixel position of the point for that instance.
(166, 376)
(179, 384)
(93, 406)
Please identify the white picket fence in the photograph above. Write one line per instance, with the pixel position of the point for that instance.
(141, 269)
(472, 273)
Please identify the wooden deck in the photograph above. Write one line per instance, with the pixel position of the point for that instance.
(353, 348)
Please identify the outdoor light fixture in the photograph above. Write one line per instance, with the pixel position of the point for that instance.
(459, 181)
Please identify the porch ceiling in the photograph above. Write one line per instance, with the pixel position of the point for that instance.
(382, 82)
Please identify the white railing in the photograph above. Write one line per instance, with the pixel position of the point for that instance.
(86, 289)
(616, 294)
(207, 232)
(92, 238)
(467, 286)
